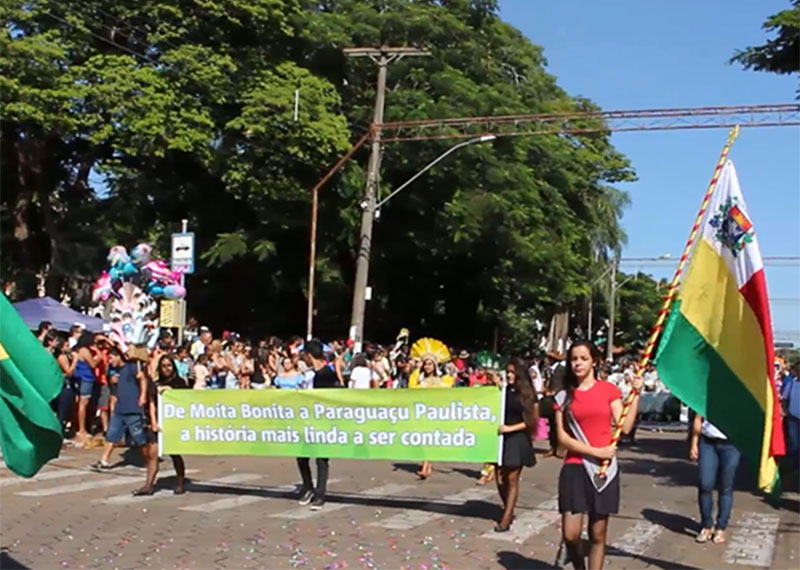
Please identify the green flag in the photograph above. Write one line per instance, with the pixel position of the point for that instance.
(30, 378)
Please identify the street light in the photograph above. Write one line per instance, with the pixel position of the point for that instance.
(362, 264)
(612, 310)
(476, 140)
(591, 299)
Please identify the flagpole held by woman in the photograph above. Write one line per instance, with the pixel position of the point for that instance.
(672, 291)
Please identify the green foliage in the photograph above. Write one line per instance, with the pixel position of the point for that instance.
(639, 298)
(780, 54)
(227, 247)
(638, 304)
(119, 120)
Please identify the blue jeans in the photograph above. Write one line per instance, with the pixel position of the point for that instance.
(66, 404)
(133, 424)
(717, 468)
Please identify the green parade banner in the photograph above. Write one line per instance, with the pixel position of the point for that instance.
(442, 424)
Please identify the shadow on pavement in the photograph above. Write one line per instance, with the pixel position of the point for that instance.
(516, 561)
(648, 561)
(471, 473)
(407, 467)
(669, 462)
(473, 509)
(783, 503)
(663, 448)
(131, 456)
(673, 522)
(8, 562)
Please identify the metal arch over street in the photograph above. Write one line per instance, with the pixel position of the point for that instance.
(586, 122)
(573, 122)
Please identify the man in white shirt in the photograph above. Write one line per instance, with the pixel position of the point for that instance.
(200, 346)
(75, 332)
(361, 375)
(650, 379)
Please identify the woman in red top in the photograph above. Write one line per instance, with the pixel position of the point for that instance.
(586, 409)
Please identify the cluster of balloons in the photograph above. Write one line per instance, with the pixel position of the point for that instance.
(154, 277)
(133, 317)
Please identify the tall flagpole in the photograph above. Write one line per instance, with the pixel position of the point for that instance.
(672, 292)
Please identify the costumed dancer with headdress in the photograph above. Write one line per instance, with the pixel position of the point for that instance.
(432, 353)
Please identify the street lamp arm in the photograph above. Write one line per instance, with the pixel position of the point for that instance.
(599, 279)
(433, 163)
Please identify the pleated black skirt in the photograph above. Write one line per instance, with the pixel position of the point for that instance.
(576, 494)
(518, 450)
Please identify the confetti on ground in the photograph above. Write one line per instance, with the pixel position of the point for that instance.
(298, 558)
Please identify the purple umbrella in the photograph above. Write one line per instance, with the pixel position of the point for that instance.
(34, 311)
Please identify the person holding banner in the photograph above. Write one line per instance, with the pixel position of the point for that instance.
(324, 377)
(168, 379)
(431, 353)
(584, 413)
(519, 424)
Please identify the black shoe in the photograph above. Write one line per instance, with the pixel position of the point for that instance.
(100, 465)
(306, 498)
(499, 528)
(317, 504)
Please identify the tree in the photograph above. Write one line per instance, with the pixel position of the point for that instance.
(639, 301)
(494, 230)
(172, 110)
(119, 120)
(780, 54)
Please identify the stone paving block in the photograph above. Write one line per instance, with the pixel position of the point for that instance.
(136, 535)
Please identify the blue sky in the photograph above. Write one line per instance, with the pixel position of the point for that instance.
(629, 54)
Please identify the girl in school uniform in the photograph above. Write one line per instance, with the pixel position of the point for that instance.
(585, 410)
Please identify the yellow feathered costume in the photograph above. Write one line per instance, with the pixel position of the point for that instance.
(435, 350)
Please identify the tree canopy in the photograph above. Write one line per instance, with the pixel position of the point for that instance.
(119, 120)
(781, 54)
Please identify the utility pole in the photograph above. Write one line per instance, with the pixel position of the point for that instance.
(591, 298)
(612, 309)
(382, 56)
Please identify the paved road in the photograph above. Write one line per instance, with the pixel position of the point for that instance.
(242, 513)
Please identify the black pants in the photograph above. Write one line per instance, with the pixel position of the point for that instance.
(547, 411)
(304, 464)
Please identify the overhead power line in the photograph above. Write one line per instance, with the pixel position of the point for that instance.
(670, 257)
(101, 38)
(663, 261)
(128, 23)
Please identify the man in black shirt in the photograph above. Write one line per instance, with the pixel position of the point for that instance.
(555, 383)
(324, 377)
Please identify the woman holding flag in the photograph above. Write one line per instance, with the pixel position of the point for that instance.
(584, 412)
